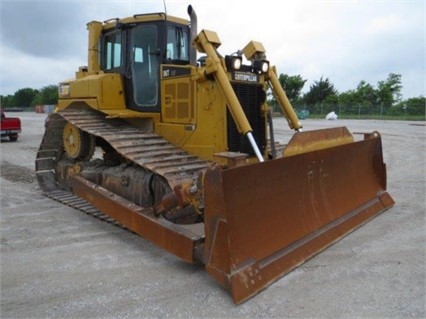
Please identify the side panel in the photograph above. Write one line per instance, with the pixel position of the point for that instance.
(177, 94)
(193, 112)
(101, 92)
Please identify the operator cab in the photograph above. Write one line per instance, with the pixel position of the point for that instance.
(136, 47)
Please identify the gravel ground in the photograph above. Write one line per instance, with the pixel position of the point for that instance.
(57, 262)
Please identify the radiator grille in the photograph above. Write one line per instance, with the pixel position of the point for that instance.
(251, 98)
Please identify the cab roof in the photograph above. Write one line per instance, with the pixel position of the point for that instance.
(138, 18)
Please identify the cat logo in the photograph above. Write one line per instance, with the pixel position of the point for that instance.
(246, 77)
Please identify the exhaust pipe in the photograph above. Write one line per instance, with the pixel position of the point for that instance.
(193, 34)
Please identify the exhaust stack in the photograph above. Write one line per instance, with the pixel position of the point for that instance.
(193, 51)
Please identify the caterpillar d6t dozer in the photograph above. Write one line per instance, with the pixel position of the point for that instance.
(181, 151)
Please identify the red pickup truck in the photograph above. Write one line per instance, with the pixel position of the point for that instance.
(10, 127)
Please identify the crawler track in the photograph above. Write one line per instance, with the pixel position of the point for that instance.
(145, 149)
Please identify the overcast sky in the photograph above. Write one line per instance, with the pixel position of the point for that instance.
(44, 42)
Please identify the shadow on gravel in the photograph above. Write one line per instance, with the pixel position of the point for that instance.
(15, 173)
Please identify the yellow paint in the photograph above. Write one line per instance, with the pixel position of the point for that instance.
(195, 101)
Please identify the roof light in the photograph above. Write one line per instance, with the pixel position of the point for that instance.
(233, 62)
(261, 66)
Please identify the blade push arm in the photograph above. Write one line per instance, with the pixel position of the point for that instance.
(283, 101)
(207, 42)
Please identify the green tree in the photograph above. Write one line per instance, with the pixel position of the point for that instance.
(24, 97)
(348, 102)
(319, 91)
(49, 94)
(416, 105)
(389, 91)
(321, 97)
(292, 86)
(412, 106)
(366, 94)
(366, 98)
(37, 100)
(7, 101)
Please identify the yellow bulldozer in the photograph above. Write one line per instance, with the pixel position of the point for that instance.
(181, 151)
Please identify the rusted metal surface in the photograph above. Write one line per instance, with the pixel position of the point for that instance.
(78, 192)
(171, 237)
(307, 141)
(265, 219)
(232, 159)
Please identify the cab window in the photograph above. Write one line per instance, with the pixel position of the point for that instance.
(177, 45)
(111, 58)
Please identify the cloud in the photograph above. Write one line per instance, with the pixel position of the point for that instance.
(345, 41)
(385, 24)
(28, 71)
(42, 29)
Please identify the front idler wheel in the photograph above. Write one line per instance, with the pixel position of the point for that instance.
(77, 143)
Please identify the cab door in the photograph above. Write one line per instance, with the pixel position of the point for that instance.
(143, 91)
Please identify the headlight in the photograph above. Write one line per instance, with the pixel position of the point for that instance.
(261, 66)
(233, 62)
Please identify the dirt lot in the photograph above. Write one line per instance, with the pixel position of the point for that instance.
(57, 262)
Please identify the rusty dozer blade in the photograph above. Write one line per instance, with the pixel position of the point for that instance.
(265, 219)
